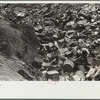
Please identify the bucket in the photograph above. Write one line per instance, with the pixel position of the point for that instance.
(81, 68)
(90, 60)
(68, 66)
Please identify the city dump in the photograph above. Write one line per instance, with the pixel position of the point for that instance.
(57, 42)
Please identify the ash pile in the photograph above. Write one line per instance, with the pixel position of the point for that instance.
(70, 45)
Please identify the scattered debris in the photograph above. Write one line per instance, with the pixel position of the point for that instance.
(69, 41)
(73, 42)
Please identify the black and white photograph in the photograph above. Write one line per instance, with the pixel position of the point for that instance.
(50, 42)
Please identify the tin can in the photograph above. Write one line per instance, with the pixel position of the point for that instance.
(68, 66)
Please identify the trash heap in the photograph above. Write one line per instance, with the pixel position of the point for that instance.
(70, 44)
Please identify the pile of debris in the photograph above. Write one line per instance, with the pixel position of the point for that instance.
(70, 45)
(69, 40)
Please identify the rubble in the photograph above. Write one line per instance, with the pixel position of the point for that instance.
(69, 41)
(73, 43)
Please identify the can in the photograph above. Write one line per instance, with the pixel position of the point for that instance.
(68, 66)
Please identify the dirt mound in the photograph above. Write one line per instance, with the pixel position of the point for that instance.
(16, 46)
(12, 42)
(10, 38)
(8, 70)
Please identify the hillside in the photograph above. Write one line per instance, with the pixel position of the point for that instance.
(12, 47)
(9, 68)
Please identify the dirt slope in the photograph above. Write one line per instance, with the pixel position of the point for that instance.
(12, 46)
(8, 70)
